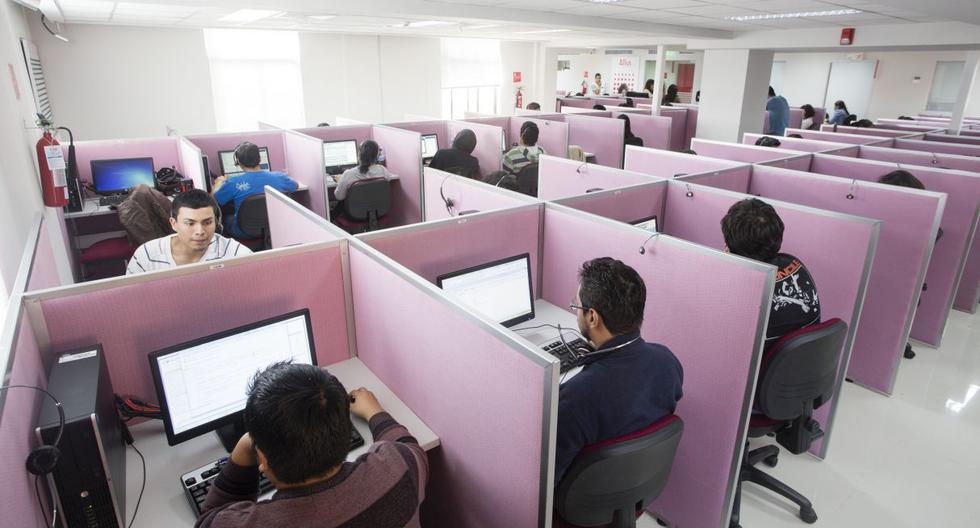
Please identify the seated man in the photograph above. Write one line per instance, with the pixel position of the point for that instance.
(252, 181)
(532, 106)
(627, 383)
(193, 215)
(752, 229)
(297, 418)
(459, 159)
(527, 152)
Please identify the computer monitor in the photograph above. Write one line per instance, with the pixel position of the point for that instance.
(430, 144)
(207, 173)
(499, 290)
(201, 384)
(120, 175)
(226, 159)
(638, 95)
(339, 154)
(649, 223)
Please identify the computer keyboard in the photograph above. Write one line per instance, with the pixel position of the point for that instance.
(198, 482)
(565, 354)
(112, 199)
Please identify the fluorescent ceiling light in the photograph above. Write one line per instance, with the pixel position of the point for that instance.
(542, 31)
(248, 15)
(483, 26)
(426, 23)
(776, 16)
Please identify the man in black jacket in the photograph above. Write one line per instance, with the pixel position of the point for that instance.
(459, 159)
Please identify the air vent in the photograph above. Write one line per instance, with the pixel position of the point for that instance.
(32, 59)
(619, 52)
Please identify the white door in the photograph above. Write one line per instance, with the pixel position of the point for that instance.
(850, 81)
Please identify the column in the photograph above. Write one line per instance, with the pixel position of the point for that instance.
(658, 79)
(967, 78)
(734, 90)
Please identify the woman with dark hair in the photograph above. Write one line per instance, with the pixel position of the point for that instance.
(648, 88)
(628, 132)
(367, 168)
(840, 113)
(808, 114)
(670, 97)
(459, 159)
(622, 89)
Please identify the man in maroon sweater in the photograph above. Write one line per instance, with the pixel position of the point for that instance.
(298, 435)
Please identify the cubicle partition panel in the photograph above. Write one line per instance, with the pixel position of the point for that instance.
(304, 157)
(165, 152)
(608, 101)
(490, 398)
(211, 144)
(553, 136)
(838, 137)
(735, 180)
(116, 313)
(447, 195)
(403, 154)
(806, 145)
(958, 223)
(781, 157)
(953, 138)
(692, 126)
(358, 133)
(837, 249)
(560, 178)
(575, 102)
(627, 204)
(439, 127)
(667, 164)
(909, 222)
(859, 131)
(503, 122)
(653, 130)
(602, 137)
(291, 224)
(678, 126)
(720, 366)
(489, 139)
(191, 163)
(795, 118)
(585, 111)
(968, 294)
(910, 128)
(43, 267)
(959, 149)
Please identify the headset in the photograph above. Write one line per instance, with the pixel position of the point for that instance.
(448, 201)
(168, 180)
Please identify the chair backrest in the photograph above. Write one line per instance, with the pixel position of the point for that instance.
(145, 215)
(366, 198)
(253, 217)
(527, 179)
(609, 482)
(798, 371)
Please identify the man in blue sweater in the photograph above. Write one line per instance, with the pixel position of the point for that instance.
(778, 113)
(627, 383)
(252, 181)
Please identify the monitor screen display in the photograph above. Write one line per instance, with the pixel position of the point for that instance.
(430, 144)
(114, 176)
(202, 384)
(339, 153)
(499, 290)
(226, 158)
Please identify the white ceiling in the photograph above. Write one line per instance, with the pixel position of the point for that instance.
(581, 21)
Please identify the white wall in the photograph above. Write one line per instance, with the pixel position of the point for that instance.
(571, 80)
(523, 57)
(733, 95)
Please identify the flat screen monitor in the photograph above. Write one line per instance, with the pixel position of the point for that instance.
(499, 290)
(201, 384)
(120, 175)
(207, 173)
(649, 223)
(226, 158)
(430, 144)
(340, 153)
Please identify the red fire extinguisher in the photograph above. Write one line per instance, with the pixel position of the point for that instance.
(520, 98)
(51, 163)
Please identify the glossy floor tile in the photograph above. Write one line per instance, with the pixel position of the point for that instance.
(909, 460)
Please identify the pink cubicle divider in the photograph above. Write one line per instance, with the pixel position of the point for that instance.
(968, 294)
(609, 101)
(116, 313)
(488, 397)
(425, 128)
(958, 223)
(43, 267)
(692, 126)
(678, 126)
(766, 127)
(880, 132)
(666, 164)
(503, 122)
(403, 152)
(165, 152)
(952, 138)
(211, 144)
(626, 204)
(806, 145)
(190, 162)
(909, 221)
(489, 139)
(575, 102)
(795, 118)
(729, 180)
(905, 126)
(960, 149)
(819, 114)
(553, 136)
(468, 196)
(304, 157)
(548, 116)
(586, 112)
(653, 130)
(560, 178)
(779, 157)
(837, 249)
(358, 133)
(291, 224)
(603, 137)
(720, 366)
(837, 137)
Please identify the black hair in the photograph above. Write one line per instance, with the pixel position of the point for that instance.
(697, 97)
(772, 93)
(752, 229)
(597, 74)
(864, 123)
(502, 179)
(299, 416)
(614, 290)
(808, 111)
(324, 124)
(598, 107)
(902, 178)
(368, 155)
(906, 118)
(626, 125)
(465, 141)
(795, 136)
(689, 151)
(850, 120)
(766, 141)
(670, 96)
(529, 134)
(622, 88)
(247, 154)
(840, 104)
(193, 199)
(648, 85)
(533, 106)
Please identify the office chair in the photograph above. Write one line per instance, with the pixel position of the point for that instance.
(527, 179)
(797, 376)
(467, 172)
(253, 220)
(106, 258)
(365, 206)
(611, 482)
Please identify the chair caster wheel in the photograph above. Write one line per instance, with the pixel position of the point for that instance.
(771, 461)
(909, 353)
(808, 515)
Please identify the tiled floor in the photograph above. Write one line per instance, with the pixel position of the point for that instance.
(910, 460)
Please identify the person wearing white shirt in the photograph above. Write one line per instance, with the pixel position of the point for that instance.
(596, 87)
(194, 220)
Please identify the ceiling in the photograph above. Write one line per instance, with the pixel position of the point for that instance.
(581, 22)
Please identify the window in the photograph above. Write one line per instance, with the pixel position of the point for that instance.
(471, 74)
(945, 86)
(255, 76)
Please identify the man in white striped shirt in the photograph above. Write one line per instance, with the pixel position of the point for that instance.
(193, 217)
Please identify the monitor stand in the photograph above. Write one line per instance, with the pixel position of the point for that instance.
(230, 434)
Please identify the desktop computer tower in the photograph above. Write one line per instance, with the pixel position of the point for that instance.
(90, 478)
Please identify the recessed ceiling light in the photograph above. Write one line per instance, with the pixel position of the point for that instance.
(802, 14)
(542, 31)
(248, 15)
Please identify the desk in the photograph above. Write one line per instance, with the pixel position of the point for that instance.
(164, 504)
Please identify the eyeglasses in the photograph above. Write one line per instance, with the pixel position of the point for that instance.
(573, 307)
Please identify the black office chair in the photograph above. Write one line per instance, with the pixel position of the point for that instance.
(611, 482)
(797, 376)
(253, 220)
(527, 179)
(365, 206)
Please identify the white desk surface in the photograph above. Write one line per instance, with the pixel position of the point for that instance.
(164, 503)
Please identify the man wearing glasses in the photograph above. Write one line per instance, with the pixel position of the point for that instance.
(626, 383)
